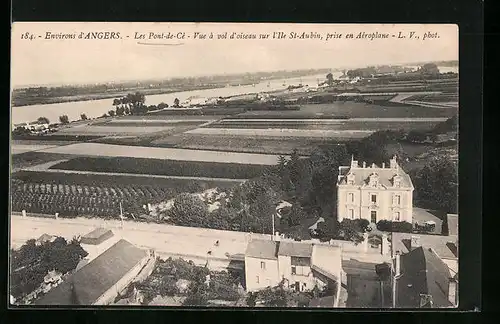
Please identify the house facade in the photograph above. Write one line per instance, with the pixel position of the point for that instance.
(297, 265)
(374, 193)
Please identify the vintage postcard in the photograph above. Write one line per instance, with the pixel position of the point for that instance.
(234, 165)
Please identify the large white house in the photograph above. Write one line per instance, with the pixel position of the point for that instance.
(374, 193)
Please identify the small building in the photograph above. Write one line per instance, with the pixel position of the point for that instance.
(300, 266)
(97, 236)
(101, 280)
(423, 280)
(374, 193)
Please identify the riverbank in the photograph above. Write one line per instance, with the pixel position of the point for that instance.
(30, 101)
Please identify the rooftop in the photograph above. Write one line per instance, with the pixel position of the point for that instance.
(444, 246)
(385, 174)
(96, 277)
(295, 249)
(423, 272)
(97, 233)
(262, 249)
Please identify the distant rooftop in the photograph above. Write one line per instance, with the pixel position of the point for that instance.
(446, 247)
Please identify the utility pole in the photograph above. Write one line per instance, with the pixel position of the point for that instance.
(121, 214)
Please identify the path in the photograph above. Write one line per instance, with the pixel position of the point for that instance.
(168, 240)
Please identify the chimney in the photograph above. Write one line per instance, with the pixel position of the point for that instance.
(397, 264)
(452, 291)
(354, 163)
(364, 164)
(393, 163)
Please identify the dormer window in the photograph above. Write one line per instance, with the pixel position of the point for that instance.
(350, 179)
(396, 181)
(373, 180)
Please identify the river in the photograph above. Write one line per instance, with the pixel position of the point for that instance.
(95, 108)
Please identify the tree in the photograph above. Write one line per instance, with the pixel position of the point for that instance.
(274, 296)
(176, 102)
(43, 120)
(329, 79)
(162, 105)
(83, 117)
(111, 113)
(64, 119)
(188, 210)
(436, 185)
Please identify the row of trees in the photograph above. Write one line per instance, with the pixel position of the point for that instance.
(134, 104)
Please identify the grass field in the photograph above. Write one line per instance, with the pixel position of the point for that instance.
(102, 150)
(163, 167)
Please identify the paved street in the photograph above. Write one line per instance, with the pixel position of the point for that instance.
(167, 240)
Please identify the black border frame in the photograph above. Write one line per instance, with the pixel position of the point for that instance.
(468, 15)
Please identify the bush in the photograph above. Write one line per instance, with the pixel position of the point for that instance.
(64, 119)
(388, 226)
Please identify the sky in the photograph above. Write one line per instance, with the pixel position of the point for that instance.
(75, 61)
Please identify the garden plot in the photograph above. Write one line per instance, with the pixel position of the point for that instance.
(282, 132)
(97, 149)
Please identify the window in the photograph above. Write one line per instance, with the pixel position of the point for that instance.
(263, 265)
(351, 213)
(397, 200)
(297, 285)
(397, 216)
(374, 216)
(294, 270)
(351, 197)
(257, 281)
(374, 198)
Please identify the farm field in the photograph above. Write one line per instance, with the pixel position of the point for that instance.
(23, 148)
(329, 124)
(282, 132)
(98, 149)
(352, 110)
(262, 144)
(95, 195)
(112, 130)
(162, 167)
